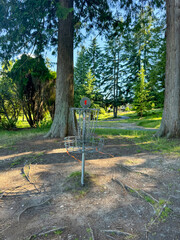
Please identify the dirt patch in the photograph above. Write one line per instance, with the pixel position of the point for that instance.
(131, 195)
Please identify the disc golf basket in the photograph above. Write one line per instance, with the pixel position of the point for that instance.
(84, 122)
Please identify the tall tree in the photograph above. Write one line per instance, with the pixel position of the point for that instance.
(143, 42)
(170, 125)
(141, 98)
(95, 59)
(62, 124)
(112, 73)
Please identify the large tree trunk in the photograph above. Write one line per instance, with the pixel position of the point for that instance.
(62, 123)
(170, 125)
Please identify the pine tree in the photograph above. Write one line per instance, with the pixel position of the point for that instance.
(89, 88)
(112, 73)
(80, 72)
(141, 99)
(95, 59)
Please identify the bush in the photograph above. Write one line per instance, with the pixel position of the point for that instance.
(8, 124)
(44, 123)
(127, 109)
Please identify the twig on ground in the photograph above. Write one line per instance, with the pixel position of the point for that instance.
(5, 193)
(147, 232)
(52, 230)
(128, 169)
(2, 195)
(120, 183)
(123, 167)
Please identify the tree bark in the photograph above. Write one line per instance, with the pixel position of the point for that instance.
(170, 125)
(62, 123)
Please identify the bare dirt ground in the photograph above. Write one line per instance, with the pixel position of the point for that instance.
(133, 194)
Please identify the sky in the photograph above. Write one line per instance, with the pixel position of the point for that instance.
(86, 43)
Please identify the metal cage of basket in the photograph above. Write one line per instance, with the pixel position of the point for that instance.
(84, 122)
(74, 144)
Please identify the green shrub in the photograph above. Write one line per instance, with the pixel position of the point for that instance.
(8, 124)
(44, 123)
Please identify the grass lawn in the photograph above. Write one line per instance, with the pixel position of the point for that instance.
(8, 138)
(152, 119)
(145, 139)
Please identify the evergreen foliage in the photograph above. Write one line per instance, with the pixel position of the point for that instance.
(141, 100)
(88, 73)
(117, 66)
(113, 73)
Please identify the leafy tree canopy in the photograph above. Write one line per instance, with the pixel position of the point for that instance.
(32, 26)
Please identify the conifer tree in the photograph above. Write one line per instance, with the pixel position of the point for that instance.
(112, 73)
(141, 99)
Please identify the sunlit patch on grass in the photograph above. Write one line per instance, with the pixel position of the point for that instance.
(145, 140)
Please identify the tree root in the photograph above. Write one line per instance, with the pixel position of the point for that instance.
(26, 175)
(53, 230)
(117, 232)
(127, 188)
(35, 205)
(138, 193)
(127, 169)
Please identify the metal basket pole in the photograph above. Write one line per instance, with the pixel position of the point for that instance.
(83, 147)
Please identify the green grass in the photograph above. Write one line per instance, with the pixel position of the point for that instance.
(23, 131)
(145, 140)
(148, 123)
(58, 232)
(151, 119)
(9, 138)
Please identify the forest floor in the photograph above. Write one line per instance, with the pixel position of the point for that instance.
(129, 193)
